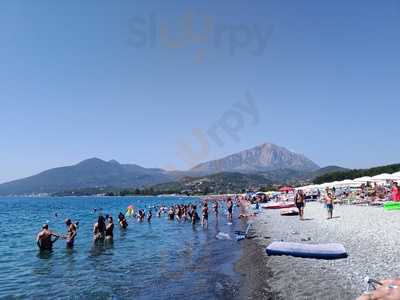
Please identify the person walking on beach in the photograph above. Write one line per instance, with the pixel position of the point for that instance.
(299, 200)
(71, 233)
(204, 220)
(44, 238)
(229, 205)
(329, 205)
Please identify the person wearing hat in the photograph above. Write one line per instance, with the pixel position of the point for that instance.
(44, 238)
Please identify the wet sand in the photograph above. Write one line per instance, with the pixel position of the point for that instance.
(369, 234)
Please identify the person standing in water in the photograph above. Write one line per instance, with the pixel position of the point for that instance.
(99, 229)
(194, 215)
(299, 200)
(204, 220)
(216, 208)
(229, 205)
(329, 205)
(110, 229)
(149, 216)
(44, 238)
(71, 233)
(122, 221)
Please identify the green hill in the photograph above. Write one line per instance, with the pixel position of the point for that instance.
(356, 173)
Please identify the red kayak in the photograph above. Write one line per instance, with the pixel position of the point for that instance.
(279, 205)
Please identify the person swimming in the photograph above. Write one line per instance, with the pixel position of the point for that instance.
(99, 229)
(44, 238)
(71, 233)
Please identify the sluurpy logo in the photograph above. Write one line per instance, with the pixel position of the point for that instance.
(198, 33)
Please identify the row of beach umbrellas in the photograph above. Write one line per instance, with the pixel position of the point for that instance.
(381, 178)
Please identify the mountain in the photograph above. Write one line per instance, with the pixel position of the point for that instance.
(220, 183)
(266, 157)
(86, 174)
(268, 162)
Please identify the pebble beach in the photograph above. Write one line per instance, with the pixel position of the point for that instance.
(369, 234)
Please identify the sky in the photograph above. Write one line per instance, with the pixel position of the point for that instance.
(172, 84)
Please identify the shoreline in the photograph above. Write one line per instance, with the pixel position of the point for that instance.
(252, 266)
(368, 234)
(254, 273)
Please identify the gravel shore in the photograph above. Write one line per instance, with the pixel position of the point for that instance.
(369, 234)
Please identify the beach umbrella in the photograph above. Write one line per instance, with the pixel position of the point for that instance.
(363, 179)
(396, 176)
(383, 177)
(346, 182)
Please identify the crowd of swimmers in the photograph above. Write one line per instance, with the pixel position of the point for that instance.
(103, 229)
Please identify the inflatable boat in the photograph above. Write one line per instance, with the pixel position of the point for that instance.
(318, 251)
(279, 206)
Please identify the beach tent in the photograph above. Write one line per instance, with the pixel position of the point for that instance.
(363, 179)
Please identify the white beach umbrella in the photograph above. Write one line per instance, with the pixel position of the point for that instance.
(363, 179)
(396, 176)
(383, 177)
(346, 182)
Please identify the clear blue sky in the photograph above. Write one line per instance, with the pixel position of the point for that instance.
(75, 85)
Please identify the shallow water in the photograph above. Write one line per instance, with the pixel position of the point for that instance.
(369, 234)
(161, 260)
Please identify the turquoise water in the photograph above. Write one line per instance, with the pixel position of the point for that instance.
(162, 260)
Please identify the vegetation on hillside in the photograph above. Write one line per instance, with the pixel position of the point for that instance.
(356, 173)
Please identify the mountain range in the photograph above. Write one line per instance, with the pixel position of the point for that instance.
(274, 163)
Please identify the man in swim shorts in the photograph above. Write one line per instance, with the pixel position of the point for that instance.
(71, 233)
(299, 200)
(44, 240)
(329, 204)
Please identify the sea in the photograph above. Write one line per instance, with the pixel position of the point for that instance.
(159, 260)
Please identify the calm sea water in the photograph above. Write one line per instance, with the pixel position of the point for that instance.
(161, 260)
